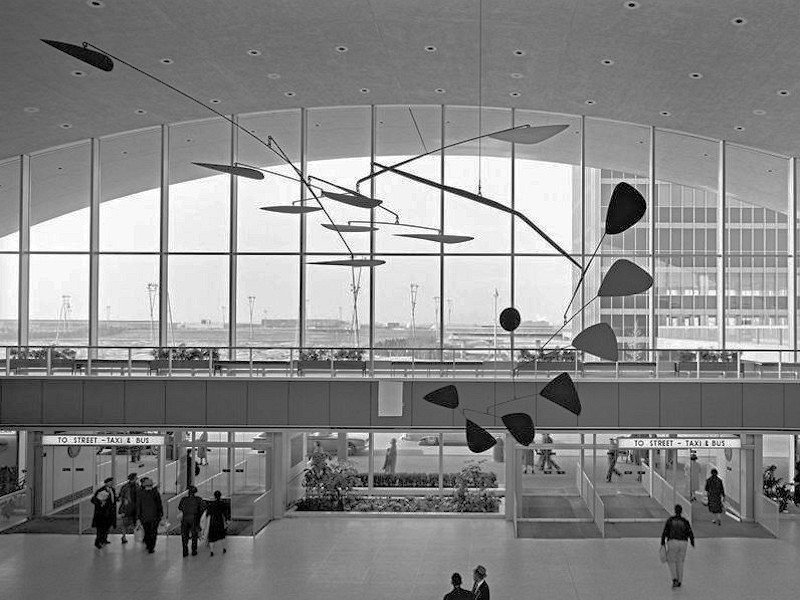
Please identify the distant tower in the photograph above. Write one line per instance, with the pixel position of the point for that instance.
(436, 301)
(494, 320)
(355, 288)
(449, 311)
(108, 313)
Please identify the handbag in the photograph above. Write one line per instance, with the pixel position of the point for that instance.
(163, 526)
(662, 553)
(138, 533)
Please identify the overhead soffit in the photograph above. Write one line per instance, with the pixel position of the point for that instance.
(654, 48)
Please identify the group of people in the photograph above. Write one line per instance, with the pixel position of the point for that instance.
(139, 504)
(480, 589)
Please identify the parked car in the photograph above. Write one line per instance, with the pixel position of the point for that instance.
(357, 443)
(448, 439)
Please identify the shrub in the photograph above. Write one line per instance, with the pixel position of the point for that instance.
(422, 480)
(776, 489)
(469, 491)
(328, 483)
(41, 353)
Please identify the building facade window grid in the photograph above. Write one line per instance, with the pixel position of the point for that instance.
(756, 262)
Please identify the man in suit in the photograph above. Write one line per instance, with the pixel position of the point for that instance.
(480, 590)
(458, 592)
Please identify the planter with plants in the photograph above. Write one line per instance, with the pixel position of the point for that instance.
(421, 480)
(349, 359)
(544, 360)
(716, 361)
(36, 358)
(314, 359)
(331, 486)
(183, 357)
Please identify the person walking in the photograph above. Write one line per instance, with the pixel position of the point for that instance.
(149, 511)
(457, 593)
(202, 449)
(612, 454)
(219, 513)
(796, 481)
(105, 511)
(715, 492)
(127, 505)
(390, 462)
(191, 509)
(480, 589)
(546, 455)
(677, 531)
(528, 460)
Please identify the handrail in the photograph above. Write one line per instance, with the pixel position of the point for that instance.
(500, 362)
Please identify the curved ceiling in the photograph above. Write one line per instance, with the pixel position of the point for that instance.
(551, 55)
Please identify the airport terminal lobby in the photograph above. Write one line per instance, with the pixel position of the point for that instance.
(412, 286)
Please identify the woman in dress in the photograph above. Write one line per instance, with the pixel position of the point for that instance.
(219, 513)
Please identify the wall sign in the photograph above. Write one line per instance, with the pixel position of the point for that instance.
(678, 443)
(102, 440)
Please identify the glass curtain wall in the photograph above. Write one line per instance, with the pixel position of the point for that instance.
(103, 238)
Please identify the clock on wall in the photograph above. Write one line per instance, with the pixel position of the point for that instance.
(73, 451)
(728, 454)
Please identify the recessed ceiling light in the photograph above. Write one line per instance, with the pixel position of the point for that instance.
(342, 49)
(430, 48)
(214, 101)
(759, 112)
(364, 90)
(140, 111)
(254, 52)
(738, 128)
(517, 76)
(96, 3)
(784, 93)
(31, 109)
(696, 75)
(289, 94)
(590, 102)
(78, 73)
(440, 90)
(607, 62)
(66, 126)
(514, 94)
(273, 75)
(166, 61)
(631, 4)
(739, 21)
(665, 113)
(519, 52)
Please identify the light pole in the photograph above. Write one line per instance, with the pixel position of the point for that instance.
(251, 300)
(152, 295)
(496, 296)
(414, 288)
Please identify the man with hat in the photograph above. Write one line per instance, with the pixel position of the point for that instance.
(480, 590)
(191, 508)
(105, 512)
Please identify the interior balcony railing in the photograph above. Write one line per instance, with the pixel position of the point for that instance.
(398, 363)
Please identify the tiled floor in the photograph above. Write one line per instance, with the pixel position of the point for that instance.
(387, 559)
